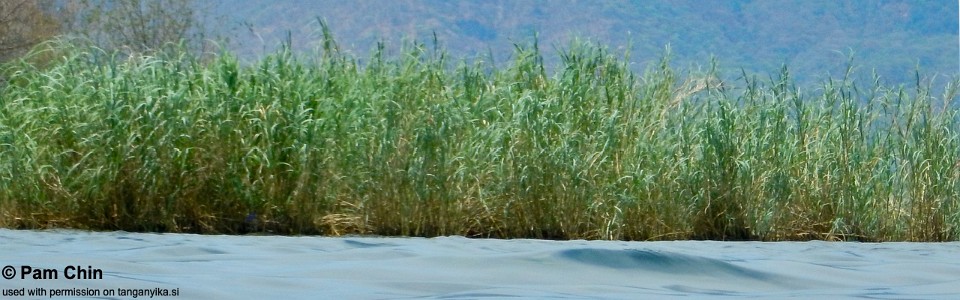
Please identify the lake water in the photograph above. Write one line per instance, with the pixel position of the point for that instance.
(119, 265)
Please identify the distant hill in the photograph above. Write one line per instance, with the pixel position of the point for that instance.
(812, 37)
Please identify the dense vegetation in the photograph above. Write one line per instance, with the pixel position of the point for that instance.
(418, 144)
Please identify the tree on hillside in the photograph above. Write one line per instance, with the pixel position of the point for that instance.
(139, 26)
(23, 24)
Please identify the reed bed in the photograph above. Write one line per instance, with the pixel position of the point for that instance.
(417, 144)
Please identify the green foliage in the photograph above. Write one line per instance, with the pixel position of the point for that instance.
(417, 144)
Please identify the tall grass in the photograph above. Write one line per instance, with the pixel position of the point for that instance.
(417, 144)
